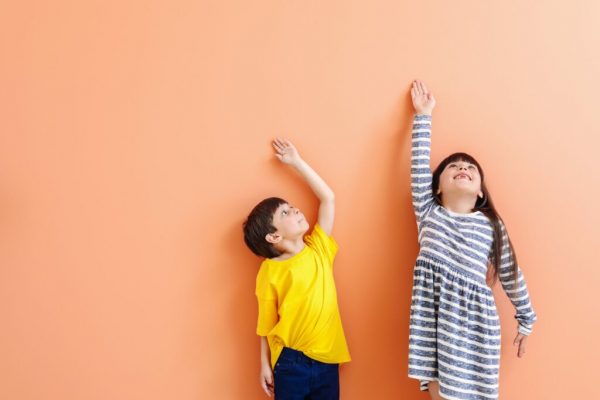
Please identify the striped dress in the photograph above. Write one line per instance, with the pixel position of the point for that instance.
(454, 327)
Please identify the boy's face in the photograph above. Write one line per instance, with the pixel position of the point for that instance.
(290, 222)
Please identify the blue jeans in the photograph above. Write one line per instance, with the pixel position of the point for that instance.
(298, 377)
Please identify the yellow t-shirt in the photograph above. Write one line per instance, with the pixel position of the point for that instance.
(297, 302)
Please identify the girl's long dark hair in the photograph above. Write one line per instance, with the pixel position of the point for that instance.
(486, 206)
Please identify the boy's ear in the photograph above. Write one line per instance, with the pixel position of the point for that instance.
(273, 237)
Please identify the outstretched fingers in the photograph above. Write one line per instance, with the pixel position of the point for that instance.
(423, 88)
(416, 88)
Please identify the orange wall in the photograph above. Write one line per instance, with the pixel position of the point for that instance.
(134, 139)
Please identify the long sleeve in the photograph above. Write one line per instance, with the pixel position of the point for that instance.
(420, 170)
(517, 291)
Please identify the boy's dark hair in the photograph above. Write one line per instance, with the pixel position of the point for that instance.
(260, 223)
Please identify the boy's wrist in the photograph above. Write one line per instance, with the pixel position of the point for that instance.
(297, 163)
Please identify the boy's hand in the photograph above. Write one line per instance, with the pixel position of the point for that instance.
(423, 101)
(520, 340)
(286, 152)
(266, 380)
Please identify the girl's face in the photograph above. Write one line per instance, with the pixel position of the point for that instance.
(460, 177)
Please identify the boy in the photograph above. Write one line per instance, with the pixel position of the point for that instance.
(301, 334)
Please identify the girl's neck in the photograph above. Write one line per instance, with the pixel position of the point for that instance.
(460, 204)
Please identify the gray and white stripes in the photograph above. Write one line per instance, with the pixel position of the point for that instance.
(454, 327)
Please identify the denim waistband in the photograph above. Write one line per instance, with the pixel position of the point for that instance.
(297, 356)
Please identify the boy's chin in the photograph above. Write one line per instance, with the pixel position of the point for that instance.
(305, 227)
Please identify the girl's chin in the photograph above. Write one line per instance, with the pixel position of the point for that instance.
(463, 187)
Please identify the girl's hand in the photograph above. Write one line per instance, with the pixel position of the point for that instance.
(266, 380)
(520, 341)
(286, 152)
(423, 101)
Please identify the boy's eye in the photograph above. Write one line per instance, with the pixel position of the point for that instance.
(471, 167)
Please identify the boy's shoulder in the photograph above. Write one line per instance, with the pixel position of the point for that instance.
(318, 239)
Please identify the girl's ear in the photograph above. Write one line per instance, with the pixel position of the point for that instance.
(273, 238)
(480, 195)
(438, 191)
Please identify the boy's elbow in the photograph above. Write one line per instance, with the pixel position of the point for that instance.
(328, 198)
(327, 201)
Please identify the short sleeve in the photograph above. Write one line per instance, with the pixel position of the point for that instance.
(322, 244)
(267, 303)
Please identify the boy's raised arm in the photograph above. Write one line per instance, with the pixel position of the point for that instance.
(286, 152)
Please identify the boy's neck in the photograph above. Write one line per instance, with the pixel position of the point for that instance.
(290, 248)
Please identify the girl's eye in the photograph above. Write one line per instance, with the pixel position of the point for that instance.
(451, 165)
(284, 213)
(471, 167)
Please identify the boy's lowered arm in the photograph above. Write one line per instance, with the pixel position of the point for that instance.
(266, 374)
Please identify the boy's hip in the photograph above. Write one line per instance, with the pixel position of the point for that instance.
(298, 376)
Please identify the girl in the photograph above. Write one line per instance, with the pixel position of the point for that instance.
(454, 343)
